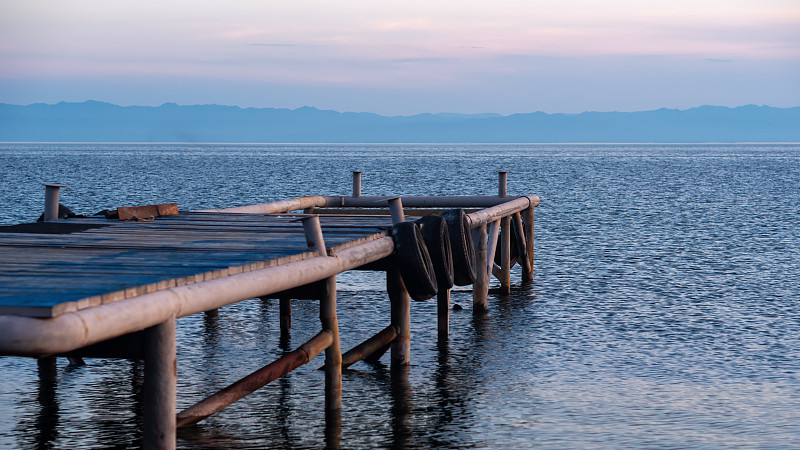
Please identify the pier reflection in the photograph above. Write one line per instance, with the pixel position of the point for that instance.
(48, 416)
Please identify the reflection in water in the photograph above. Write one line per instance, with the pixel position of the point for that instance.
(333, 429)
(662, 316)
(401, 407)
(47, 418)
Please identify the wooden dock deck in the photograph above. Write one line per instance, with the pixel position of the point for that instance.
(71, 286)
(50, 268)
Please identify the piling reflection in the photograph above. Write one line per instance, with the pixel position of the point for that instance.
(401, 407)
(285, 393)
(333, 429)
(47, 418)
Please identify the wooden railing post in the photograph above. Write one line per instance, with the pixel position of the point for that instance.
(356, 183)
(480, 289)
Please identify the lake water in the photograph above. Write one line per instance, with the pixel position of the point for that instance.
(664, 311)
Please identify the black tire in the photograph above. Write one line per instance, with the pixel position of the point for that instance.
(461, 244)
(516, 237)
(437, 239)
(414, 261)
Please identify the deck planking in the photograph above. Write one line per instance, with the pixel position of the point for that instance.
(95, 260)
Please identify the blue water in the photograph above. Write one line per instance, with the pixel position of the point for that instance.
(664, 311)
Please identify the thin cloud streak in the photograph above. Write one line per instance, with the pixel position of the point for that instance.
(505, 50)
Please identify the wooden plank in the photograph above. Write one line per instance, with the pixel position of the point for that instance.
(44, 275)
(147, 211)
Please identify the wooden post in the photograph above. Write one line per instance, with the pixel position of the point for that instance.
(333, 362)
(502, 185)
(333, 354)
(396, 210)
(493, 235)
(443, 313)
(159, 392)
(505, 254)
(480, 289)
(330, 324)
(401, 315)
(399, 298)
(356, 183)
(285, 315)
(524, 263)
(529, 238)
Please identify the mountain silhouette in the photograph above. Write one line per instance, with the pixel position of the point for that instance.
(93, 121)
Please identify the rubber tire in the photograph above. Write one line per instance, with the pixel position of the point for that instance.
(464, 272)
(515, 237)
(414, 262)
(437, 239)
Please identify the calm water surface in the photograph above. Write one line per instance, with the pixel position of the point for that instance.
(664, 312)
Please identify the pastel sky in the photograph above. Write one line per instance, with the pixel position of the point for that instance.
(404, 57)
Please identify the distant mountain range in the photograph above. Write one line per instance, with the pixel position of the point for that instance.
(93, 121)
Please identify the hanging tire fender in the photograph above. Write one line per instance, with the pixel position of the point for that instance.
(463, 251)
(437, 239)
(414, 262)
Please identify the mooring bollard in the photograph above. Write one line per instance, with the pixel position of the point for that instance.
(51, 194)
(356, 183)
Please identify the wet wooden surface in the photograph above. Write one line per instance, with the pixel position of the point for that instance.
(47, 269)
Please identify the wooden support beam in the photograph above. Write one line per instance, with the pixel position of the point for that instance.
(363, 350)
(528, 214)
(399, 298)
(333, 353)
(505, 254)
(401, 315)
(494, 235)
(255, 380)
(524, 263)
(159, 391)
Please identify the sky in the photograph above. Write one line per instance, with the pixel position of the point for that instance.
(404, 57)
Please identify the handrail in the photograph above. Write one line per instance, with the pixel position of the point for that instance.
(376, 201)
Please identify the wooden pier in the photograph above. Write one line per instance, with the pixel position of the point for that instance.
(99, 287)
